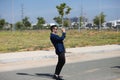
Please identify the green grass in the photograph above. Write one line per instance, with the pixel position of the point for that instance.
(39, 40)
(92, 38)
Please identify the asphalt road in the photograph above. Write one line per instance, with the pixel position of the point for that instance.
(105, 69)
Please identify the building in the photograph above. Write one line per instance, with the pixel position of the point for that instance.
(112, 24)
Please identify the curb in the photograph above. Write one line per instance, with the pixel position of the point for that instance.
(37, 55)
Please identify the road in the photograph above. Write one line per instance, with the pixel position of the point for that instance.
(103, 69)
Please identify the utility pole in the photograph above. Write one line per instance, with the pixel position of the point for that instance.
(81, 16)
(22, 11)
(22, 14)
(100, 15)
(13, 27)
(78, 23)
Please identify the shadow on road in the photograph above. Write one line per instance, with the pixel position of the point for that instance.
(43, 75)
(118, 67)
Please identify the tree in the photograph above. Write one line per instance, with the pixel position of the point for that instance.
(63, 9)
(40, 22)
(2, 23)
(26, 22)
(19, 25)
(96, 21)
(102, 15)
(81, 21)
(100, 19)
(58, 20)
(66, 22)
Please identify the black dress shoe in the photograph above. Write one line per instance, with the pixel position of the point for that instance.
(57, 77)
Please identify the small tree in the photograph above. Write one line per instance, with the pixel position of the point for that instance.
(81, 21)
(58, 20)
(2, 23)
(40, 22)
(66, 22)
(99, 20)
(26, 22)
(63, 9)
(19, 25)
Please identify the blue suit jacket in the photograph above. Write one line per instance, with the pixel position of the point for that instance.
(58, 42)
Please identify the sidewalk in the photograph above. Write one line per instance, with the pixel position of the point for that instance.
(37, 55)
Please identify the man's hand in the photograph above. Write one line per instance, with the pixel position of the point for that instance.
(63, 30)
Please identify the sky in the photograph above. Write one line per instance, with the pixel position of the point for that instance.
(11, 10)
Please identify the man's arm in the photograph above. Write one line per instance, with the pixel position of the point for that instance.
(57, 38)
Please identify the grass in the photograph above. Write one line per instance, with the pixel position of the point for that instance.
(92, 38)
(39, 40)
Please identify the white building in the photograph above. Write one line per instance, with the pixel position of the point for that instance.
(113, 23)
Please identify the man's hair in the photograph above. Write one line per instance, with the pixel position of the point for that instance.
(52, 27)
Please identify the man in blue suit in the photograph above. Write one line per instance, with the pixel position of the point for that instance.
(59, 49)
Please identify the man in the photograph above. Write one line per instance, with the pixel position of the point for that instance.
(59, 49)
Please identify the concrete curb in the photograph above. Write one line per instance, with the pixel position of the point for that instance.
(95, 49)
(25, 56)
(37, 55)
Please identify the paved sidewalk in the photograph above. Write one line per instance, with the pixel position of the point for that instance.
(37, 55)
